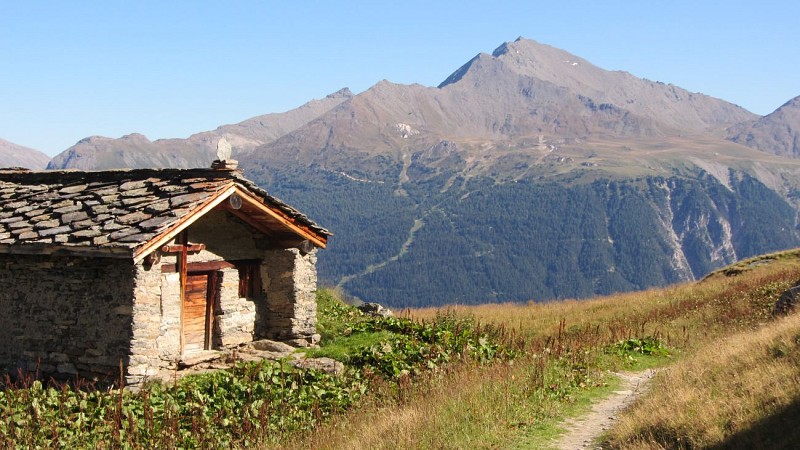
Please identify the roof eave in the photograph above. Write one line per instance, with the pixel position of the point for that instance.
(181, 224)
(49, 249)
(318, 239)
(302, 230)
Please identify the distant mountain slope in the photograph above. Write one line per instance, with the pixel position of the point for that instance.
(777, 133)
(13, 155)
(517, 104)
(529, 173)
(136, 151)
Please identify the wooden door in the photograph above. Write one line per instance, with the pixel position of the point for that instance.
(198, 312)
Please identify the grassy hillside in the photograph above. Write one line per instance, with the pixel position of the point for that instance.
(566, 350)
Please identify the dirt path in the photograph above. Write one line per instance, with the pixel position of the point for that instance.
(583, 432)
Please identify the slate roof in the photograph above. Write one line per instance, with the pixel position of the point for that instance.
(114, 209)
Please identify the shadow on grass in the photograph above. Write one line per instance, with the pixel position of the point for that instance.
(778, 431)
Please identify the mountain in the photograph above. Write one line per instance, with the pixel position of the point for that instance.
(519, 99)
(777, 133)
(13, 155)
(528, 173)
(136, 151)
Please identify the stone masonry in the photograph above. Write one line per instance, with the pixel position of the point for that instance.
(285, 310)
(65, 315)
(290, 280)
(236, 317)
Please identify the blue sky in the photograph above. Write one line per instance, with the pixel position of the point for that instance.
(169, 69)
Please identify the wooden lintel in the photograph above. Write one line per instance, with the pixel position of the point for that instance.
(205, 266)
(175, 248)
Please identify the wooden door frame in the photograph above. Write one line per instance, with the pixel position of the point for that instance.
(211, 299)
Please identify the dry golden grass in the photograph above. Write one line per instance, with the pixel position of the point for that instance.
(682, 315)
(514, 405)
(741, 391)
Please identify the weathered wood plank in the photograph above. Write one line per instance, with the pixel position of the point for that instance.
(205, 266)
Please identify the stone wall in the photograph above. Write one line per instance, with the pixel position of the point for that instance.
(146, 358)
(65, 315)
(290, 281)
(236, 317)
(168, 341)
(289, 278)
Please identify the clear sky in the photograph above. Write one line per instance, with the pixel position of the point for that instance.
(172, 68)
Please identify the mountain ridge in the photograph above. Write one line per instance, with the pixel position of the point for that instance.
(777, 133)
(198, 150)
(15, 155)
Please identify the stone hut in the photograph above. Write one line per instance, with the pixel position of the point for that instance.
(144, 269)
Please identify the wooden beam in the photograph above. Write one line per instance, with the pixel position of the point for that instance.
(250, 220)
(211, 295)
(205, 266)
(281, 217)
(180, 248)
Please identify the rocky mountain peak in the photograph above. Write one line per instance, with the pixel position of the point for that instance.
(341, 93)
(136, 137)
(793, 103)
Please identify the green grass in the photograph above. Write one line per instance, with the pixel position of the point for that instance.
(341, 348)
(335, 322)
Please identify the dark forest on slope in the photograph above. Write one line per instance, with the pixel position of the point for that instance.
(529, 240)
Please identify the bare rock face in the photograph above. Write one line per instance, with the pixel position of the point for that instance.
(776, 133)
(272, 346)
(327, 365)
(788, 301)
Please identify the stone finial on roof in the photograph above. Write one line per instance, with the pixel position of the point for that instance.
(224, 161)
(223, 149)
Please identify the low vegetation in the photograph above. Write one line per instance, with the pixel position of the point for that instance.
(741, 391)
(488, 376)
(243, 406)
(566, 355)
(261, 403)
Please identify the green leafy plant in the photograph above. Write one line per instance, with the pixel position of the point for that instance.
(644, 346)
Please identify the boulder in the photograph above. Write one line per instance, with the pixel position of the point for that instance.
(328, 365)
(265, 345)
(375, 310)
(788, 301)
